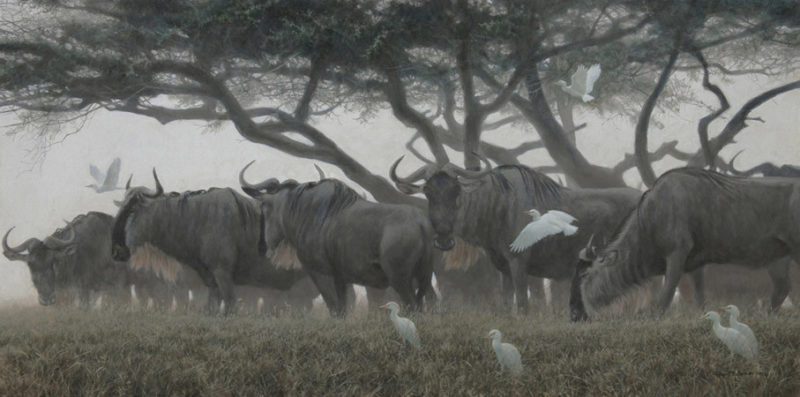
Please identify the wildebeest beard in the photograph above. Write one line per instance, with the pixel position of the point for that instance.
(119, 249)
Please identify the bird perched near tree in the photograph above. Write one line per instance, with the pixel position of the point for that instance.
(507, 354)
(404, 326)
(736, 341)
(582, 82)
(552, 222)
(743, 328)
(108, 181)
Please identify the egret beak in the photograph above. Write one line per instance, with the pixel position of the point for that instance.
(726, 308)
(383, 307)
(488, 336)
(703, 317)
(527, 212)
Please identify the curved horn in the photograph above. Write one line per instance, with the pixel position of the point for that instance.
(733, 169)
(406, 185)
(321, 173)
(17, 252)
(54, 242)
(159, 189)
(128, 185)
(474, 174)
(254, 188)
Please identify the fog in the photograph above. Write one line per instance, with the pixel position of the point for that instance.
(38, 195)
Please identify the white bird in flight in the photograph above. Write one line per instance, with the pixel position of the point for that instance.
(404, 326)
(582, 82)
(743, 328)
(507, 354)
(552, 222)
(108, 181)
(736, 341)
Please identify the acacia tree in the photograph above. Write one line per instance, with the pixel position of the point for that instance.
(448, 69)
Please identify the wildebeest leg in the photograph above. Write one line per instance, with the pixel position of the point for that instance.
(698, 287)
(326, 288)
(675, 261)
(779, 273)
(225, 287)
(501, 264)
(521, 285)
(341, 295)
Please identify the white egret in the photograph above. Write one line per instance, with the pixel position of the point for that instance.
(404, 326)
(743, 328)
(552, 222)
(735, 340)
(507, 354)
(108, 181)
(582, 82)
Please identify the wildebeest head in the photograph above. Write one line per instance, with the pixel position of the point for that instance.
(442, 187)
(41, 257)
(270, 193)
(135, 198)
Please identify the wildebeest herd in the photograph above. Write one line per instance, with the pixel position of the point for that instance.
(322, 230)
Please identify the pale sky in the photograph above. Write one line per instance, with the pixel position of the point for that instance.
(36, 197)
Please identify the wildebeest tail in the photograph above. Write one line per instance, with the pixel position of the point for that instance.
(262, 240)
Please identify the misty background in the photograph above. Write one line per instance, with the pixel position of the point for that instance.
(44, 184)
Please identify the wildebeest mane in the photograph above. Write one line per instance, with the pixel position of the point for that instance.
(538, 186)
(245, 208)
(311, 206)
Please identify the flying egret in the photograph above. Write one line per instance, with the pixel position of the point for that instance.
(735, 340)
(743, 328)
(552, 222)
(582, 82)
(507, 354)
(404, 326)
(108, 181)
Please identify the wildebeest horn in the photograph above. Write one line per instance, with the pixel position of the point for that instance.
(128, 185)
(319, 170)
(17, 252)
(54, 242)
(733, 169)
(159, 189)
(406, 185)
(588, 252)
(269, 184)
(473, 174)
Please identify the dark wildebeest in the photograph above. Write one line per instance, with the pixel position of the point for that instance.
(215, 232)
(691, 217)
(766, 169)
(75, 256)
(485, 208)
(342, 238)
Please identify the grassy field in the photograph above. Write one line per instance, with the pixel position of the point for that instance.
(67, 351)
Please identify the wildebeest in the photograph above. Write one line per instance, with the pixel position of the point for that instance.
(342, 238)
(691, 217)
(485, 208)
(75, 256)
(215, 232)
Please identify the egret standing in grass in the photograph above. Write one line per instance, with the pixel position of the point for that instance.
(507, 354)
(735, 340)
(552, 222)
(582, 82)
(404, 326)
(108, 181)
(743, 328)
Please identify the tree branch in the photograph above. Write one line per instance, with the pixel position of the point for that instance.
(702, 125)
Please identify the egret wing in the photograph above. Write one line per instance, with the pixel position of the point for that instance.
(579, 81)
(591, 77)
(96, 174)
(112, 175)
(532, 233)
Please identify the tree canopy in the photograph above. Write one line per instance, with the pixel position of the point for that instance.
(450, 69)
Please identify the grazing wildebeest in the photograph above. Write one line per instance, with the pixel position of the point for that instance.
(75, 256)
(215, 232)
(342, 238)
(766, 169)
(485, 208)
(691, 217)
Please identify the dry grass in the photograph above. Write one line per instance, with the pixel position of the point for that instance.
(61, 352)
